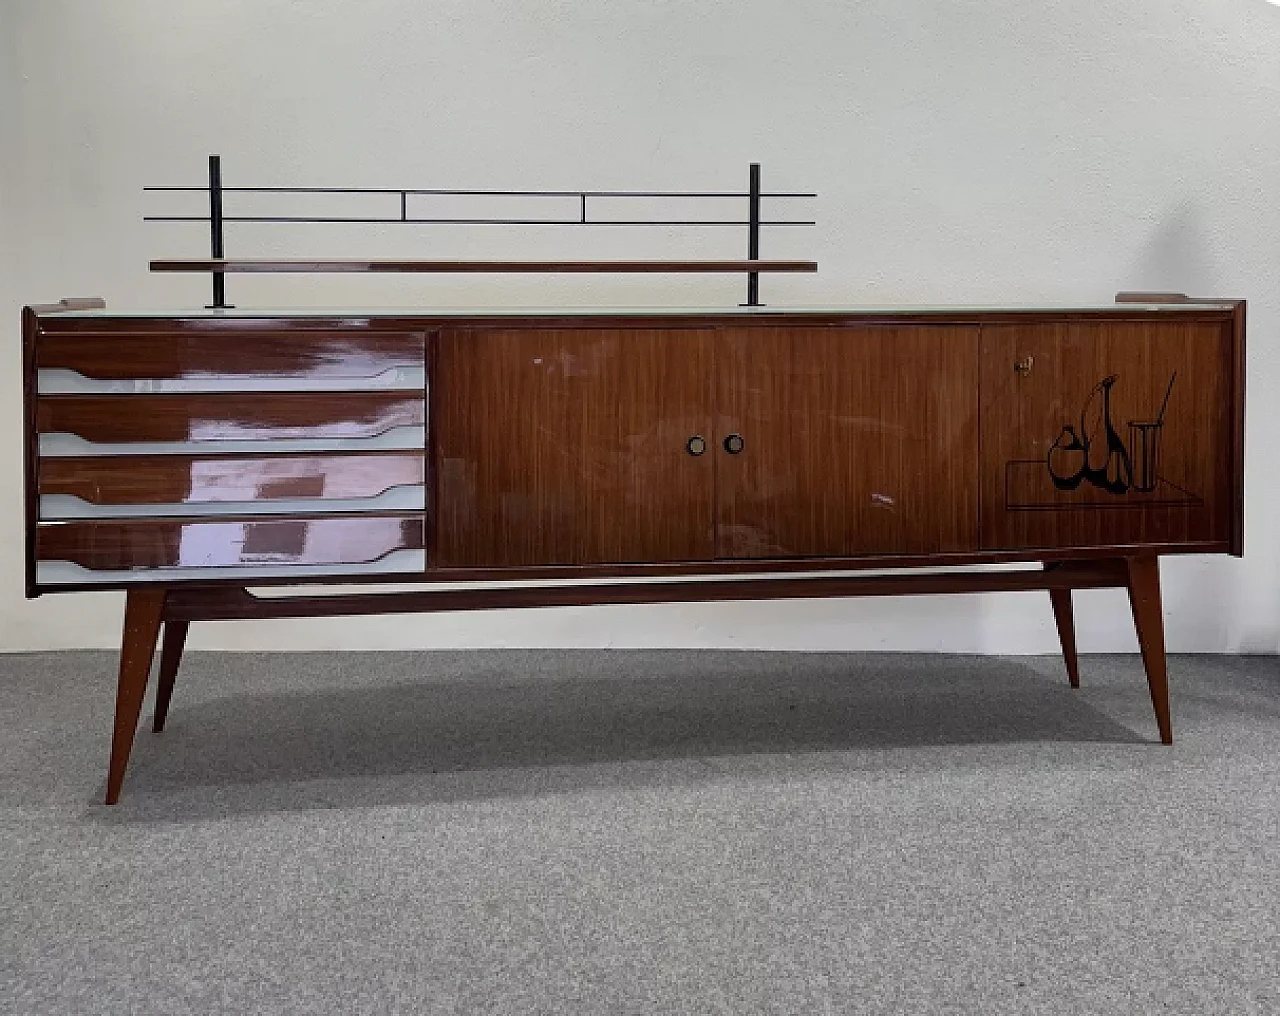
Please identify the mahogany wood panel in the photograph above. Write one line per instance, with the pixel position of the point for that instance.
(859, 440)
(30, 458)
(1075, 449)
(228, 416)
(153, 543)
(1237, 429)
(312, 265)
(207, 479)
(70, 303)
(183, 354)
(569, 446)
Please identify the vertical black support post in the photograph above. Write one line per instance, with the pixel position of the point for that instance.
(753, 235)
(216, 248)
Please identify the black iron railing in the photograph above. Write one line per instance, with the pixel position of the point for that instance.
(217, 219)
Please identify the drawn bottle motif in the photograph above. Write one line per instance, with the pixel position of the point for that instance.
(1096, 452)
(1111, 467)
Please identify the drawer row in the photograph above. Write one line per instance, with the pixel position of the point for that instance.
(241, 484)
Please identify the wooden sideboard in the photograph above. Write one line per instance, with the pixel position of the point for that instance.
(746, 454)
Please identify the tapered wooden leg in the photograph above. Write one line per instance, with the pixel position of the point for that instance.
(142, 613)
(1063, 614)
(1148, 619)
(175, 637)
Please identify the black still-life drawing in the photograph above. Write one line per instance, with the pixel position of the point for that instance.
(1096, 453)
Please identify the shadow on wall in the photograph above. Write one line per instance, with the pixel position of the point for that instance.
(1175, 260)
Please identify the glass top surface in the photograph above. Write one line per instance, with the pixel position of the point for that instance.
(651, 311)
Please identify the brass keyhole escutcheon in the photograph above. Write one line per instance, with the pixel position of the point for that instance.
(1023, 366)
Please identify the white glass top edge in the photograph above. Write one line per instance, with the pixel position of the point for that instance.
(587, 311)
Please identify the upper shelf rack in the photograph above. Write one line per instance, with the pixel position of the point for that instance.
(218, 265)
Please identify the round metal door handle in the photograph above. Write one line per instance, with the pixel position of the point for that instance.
(733, 444)
(696, 445)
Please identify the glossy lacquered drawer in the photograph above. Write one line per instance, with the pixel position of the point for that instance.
(101, 423)
(130, 486)
(241, 350)
(124, 551)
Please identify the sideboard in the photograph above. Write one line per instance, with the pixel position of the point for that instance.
(622, 457)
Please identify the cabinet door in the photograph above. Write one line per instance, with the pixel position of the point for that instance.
(570, 446)
(1106, 433)
(855, 441)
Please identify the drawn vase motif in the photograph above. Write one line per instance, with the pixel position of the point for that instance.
(1109, 466)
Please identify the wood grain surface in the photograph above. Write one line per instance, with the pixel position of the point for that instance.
(229, 416)
(858, 440)
(321, 265)
(261, 352)
(570, 446)
(153, 543)
(1023, 415)
(187, 479)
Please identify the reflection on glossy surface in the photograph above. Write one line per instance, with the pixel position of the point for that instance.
(144, 480)
(259, 351)
(59, 381)
(173, 544)
(65, 506)
(398, 562)
(125, 418)
(70, 446)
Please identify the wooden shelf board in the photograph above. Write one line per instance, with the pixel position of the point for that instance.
(312, 265)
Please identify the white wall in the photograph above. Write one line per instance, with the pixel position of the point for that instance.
(965, 151)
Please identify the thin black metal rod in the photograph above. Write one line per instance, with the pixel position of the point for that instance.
(216, 246)
(494, 193)
(753, 235)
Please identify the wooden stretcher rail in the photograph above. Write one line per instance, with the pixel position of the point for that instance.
(230, 604)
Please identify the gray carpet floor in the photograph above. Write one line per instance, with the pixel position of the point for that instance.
(642, 832)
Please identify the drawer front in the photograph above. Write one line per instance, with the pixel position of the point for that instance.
(198, 358)
(229, 416)
(172, 485)
(165, 452)
(123, 551)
